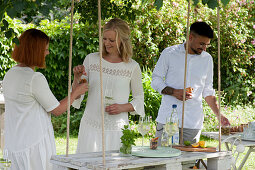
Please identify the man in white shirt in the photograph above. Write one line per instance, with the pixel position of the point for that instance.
(168, 80)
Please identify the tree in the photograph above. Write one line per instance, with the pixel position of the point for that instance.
(31, 11)
(34, 10)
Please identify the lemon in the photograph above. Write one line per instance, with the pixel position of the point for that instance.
(195, 145)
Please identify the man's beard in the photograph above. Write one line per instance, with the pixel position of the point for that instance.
(195, 51)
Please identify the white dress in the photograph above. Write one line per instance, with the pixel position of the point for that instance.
(119, 79)
(29, 136)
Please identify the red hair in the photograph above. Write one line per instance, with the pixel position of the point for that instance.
(31, 48)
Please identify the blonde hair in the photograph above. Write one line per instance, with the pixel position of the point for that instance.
(122, 32)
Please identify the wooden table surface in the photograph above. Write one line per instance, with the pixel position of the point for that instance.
(115, 161)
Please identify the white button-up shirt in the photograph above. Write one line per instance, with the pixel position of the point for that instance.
(169, 71)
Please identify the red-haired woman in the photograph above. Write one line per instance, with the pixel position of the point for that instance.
(29, 102)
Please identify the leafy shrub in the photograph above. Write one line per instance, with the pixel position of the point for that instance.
(6, 46)
(60, 123)
(237, 52)
(152, 31)
(155, 30)
(152, 98)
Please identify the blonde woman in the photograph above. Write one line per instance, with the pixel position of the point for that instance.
(121, 75)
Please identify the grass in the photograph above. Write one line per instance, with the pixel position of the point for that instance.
(236, 115)
(61, 145)
(61, 149)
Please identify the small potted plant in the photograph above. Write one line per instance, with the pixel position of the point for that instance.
(127, 140)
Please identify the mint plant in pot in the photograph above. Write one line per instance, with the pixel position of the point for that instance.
(127, 140)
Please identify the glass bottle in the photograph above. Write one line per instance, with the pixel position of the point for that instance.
(174, 119)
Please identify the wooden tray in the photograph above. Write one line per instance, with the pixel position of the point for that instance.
(191, 149)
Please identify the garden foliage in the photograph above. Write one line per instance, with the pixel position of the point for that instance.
(155, 30)
(152, 31)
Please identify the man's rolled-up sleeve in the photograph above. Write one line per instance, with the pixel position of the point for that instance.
(159, 73)
(208, 88)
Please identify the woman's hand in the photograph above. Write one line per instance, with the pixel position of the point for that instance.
(114, 109)
(80, 89)
(78, 71)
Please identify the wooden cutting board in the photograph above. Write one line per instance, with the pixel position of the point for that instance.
(191, 149)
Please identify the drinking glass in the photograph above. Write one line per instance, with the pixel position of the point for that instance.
(5, 162)
(170, 128)
(147, 124)
(108, 98)
(143, 126)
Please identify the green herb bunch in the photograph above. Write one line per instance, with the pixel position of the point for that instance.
(127, 140)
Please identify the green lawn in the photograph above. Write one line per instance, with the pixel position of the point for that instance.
(61, 149)
(61, 145)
